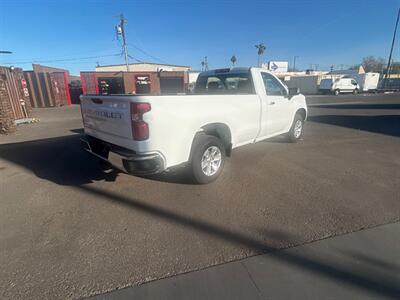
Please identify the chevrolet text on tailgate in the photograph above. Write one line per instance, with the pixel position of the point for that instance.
(147, 134)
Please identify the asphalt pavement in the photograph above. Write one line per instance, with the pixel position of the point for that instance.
(360, 265)
(71, 229)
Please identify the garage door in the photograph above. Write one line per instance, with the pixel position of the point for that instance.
(171, 85)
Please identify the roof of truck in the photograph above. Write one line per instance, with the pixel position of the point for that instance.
(226, 70)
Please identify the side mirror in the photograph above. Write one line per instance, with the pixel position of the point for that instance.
(294, 91)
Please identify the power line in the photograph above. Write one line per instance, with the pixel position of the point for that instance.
(138, 60)
(73, 54)
(148, 54)
(58, 60)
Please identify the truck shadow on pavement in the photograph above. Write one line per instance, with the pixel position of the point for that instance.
(63, 161)
(383, 124)
(385, 286)
(379, 263)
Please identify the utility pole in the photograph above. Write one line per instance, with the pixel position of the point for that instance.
(205, 63)
(391, 50)
(120, 30)
(294, 63)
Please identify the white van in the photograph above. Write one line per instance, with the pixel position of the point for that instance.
(339, 85)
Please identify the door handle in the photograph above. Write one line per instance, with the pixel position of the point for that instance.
(272, 103)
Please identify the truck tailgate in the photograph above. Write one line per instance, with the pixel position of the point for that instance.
(107, 115)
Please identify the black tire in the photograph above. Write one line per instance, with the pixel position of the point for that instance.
(202, 143)
(336, 92)
(293, 136)
(355, 92)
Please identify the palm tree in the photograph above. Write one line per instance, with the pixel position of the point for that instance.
(233, 60)
(260, 51)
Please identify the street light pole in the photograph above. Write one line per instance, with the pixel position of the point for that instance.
(391, 50)
(294, 63)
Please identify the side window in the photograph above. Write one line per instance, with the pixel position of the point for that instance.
(225, 83)
(353, 82)
(214, 85)
(272, 85)
(238, 85)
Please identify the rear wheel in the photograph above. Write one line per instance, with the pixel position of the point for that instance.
(296, 131)
(208, 158)
(337, 92)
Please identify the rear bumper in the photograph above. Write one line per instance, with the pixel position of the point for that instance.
(124, 159)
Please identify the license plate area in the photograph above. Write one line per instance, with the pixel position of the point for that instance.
(116, 160)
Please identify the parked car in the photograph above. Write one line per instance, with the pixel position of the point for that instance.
(229, 108)
(339, 85)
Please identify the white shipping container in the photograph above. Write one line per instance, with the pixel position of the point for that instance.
(367, 81)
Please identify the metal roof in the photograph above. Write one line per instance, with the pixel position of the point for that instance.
(143, 63)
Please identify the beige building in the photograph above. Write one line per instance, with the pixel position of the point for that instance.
(143, 67)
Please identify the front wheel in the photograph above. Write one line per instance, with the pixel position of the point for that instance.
(337, 92)
(296, 130)
(208, 158)
(355, 92)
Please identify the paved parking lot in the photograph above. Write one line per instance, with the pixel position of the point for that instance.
(69, 229)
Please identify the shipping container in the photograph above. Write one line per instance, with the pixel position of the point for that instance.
(17, 91)
(367, 81)
(48, 86)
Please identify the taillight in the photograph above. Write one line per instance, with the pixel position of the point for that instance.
(140, 129)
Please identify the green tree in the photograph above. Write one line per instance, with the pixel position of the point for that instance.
(260, 51)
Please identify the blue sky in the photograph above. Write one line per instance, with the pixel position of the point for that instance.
(66, 33)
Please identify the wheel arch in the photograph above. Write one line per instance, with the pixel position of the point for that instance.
(302, 112)
(219, 130)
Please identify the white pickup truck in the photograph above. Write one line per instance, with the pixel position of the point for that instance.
(144, 134)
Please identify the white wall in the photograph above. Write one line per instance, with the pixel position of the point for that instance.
(308, 84)
(193, 76)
